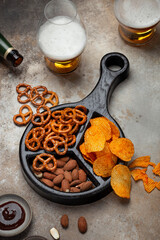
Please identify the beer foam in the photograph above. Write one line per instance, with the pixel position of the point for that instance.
(138, 13)
(61, 39)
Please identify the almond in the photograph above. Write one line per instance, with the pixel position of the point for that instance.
(82, 175)
(58, 179)
(48, 175)
(57, 188)
(48, 182)
(54, 233)
(68, 176)
(64, 221)
(75, 182)
(70, 165)
(59, 171)
(65, 185)
(60, 163)
(75, 174)
(82, 224)
(65, 159)
(85, 186)
(74, 189)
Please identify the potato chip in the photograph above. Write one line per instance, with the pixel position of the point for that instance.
(139, 174)
(149, 185)
(94, 139)
(121, 181)
(103, 124)
(90, 157)
(156, 169)
(158, 185)
(115, 133)
(105, 151)
(140, 162)
(122, 148)
(103, 165)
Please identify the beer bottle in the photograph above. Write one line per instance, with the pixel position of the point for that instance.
(8, 53)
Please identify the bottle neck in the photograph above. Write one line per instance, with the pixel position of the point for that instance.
(4, 46)
(9, 53)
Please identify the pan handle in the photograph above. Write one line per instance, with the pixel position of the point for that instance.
(109, 79)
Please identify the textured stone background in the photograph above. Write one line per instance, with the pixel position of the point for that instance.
(135, 104)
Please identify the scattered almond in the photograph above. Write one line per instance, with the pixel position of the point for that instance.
(64, 221)
(82, 224)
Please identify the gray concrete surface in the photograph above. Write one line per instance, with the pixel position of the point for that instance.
(135, 104)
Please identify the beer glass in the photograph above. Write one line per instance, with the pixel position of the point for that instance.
(61, 36)
(137, 19)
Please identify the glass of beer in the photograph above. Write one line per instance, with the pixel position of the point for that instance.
(137, 19)
(61, 36)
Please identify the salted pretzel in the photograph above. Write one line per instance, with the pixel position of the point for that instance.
(37, 95)
(34, 138)
(52, 99)
(25, 117)
(23, 93)
(44, 116)
(41, 162)
(53, 143)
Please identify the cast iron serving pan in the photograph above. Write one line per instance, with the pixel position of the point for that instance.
(97, 103)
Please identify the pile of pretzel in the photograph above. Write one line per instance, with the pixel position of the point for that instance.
(55, 131)
(38, 96)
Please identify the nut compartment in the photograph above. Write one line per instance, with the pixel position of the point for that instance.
(97, 104)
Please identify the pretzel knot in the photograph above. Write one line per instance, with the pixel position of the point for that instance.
(60, 127)
(37, 93)
(25, 117)
(23, 93)
(53, 143)
(52, 100)
(43, 160)
(34, 138)
(42, 117)
(80, 117)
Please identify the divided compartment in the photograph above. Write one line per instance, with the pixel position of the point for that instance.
(97, 103)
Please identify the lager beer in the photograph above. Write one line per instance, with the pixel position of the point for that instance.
(137, 19)
(62, 40)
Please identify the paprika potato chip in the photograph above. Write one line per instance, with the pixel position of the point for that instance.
(139, 174)
(90, 157)
(156, 169)
(94, 139)
(105, 151)
(122, 148)
(140, 162)
(149, 185)
(121, 181)
(103, 125)
(103, 165)
(115, 133)
(158, 185)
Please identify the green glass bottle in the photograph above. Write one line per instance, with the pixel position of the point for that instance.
(8, 53)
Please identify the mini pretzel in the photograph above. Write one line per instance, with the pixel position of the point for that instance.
(60, 127)
(80, 117)
(37, 95)
(53, 99)
(26, 117)
(81, 108)
(57, 114)
(34, 138)
(24, 92)
(44, 117)
(42, 161)
(52, 144)
(74, 129)
(71, 140)
(67, 115)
